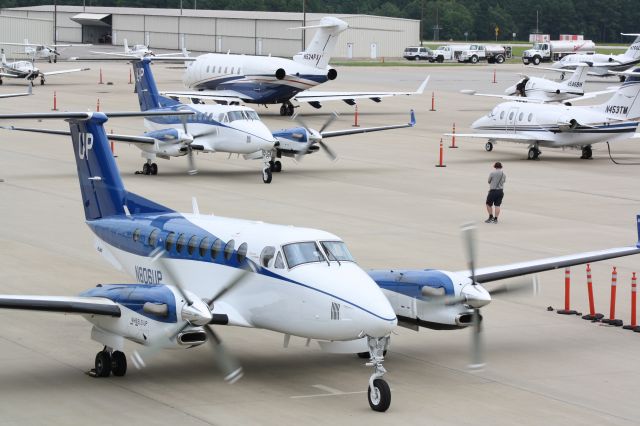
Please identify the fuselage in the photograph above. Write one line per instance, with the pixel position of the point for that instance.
(545, 90)
(301, 281)
(262, 80)
(566, 125)
(620, 62)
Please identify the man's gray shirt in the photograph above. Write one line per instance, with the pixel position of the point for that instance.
(497, 179)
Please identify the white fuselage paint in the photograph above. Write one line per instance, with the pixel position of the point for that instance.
(302, 307)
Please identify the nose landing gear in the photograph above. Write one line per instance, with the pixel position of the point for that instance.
(379, 393)
(286, 109)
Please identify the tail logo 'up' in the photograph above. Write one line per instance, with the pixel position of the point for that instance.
(85, 144)
(139, 74)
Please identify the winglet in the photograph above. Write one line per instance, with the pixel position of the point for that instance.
(413, 123)
(420, 90)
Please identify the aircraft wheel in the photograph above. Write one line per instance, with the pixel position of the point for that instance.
(380, 396)
(118, 364)
(146, 169)
(622, 78)
(103, 364)
(488, 146)
(363, 355)
(55, 60)
(533, 154)
(154, 169)
(283, 110)
(41, 82)
(290, 110)
(0, 81)
(277, 167)
(266, 176)
(586, 153)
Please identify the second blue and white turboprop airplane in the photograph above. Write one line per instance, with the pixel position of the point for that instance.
(193, 271)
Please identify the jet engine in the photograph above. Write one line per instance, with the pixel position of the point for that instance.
(332, 74)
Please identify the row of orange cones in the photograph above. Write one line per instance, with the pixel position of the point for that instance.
(592, 315)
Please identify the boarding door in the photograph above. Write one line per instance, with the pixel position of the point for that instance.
(510, 120)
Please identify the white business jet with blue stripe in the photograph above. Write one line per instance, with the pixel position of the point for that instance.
(563, 126)
(296, 281)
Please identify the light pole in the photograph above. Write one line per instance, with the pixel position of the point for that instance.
(304, 24)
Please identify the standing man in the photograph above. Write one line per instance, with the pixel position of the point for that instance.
(496, 192)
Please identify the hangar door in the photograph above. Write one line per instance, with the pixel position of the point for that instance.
(96, 27)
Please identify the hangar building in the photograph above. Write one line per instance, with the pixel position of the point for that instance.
(256, 33)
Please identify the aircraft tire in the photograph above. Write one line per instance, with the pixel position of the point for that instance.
(267, 176)
(154, 169)
(103, 364)
(379, 397)
(146, 169)
(488, 146)
(363, 355)
(283, 110)
(118, 364)
(533, 154)
(277, 167)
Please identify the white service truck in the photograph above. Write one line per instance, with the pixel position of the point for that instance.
(473, 53)
(554, 50)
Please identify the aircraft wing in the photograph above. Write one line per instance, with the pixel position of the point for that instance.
(140, 140)
(315, 97)
(213, 95)
(591, 95)
(13, 95)
(118, 54)
(509, 137)
(506, 97)
(69, 305)
(334, 133)
(65, 71)
(495, 273)
(5, 74)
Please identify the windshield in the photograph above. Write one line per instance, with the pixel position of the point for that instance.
(337, 250)
(235, 115)
(299, 253)
(252, 115)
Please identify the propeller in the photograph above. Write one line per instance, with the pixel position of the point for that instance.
(188, 142)
(316, 137)
(231, 369)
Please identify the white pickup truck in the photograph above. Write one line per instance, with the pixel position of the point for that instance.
(473, 53)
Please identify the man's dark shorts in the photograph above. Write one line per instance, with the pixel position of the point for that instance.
(494, 198)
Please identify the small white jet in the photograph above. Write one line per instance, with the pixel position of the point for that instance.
(138, 51)
(195, 271)
(542, 90)
(602, 65)
(28, 71)
(43, 51)
(270, 80)
(562, 126)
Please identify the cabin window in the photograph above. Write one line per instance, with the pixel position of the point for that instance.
(228, 250)
(337, 250)
(216, 248)
(299, 253)
(153, 237)
(207, 69)
(225, 69)
(266, 255)
(279, 263)
(501, 115)
(182, 240)
(520, 116)
(511, 115)
(192, 245)
(204, 246)
(241, 254)
(220, 70)
(168, 244)
(232, 70)
(136, 235)
(530, 118)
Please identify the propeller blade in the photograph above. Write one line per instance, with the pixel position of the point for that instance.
(327, 123)
(159, 255)
(468, 235)
(192, 162)
(239, 278)
(525, 285)
(330, 153)
(230, 367)
(302, 123)
(477, 362)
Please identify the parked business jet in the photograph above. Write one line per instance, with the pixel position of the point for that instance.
(43, 51)
(559, 126)
(542, 90)
(139, 51)
(193, 271)
(27, 70)
(270, 80)
(602, 65)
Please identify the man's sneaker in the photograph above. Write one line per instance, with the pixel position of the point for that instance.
(489, 220)
(493, 220)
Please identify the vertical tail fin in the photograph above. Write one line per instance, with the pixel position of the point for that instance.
(634, 50)
(576, 82)
(3, 58)
(625, 102)
(126, 46)
(103, 193)
(26, 42)
(319, 51)
(148, 95)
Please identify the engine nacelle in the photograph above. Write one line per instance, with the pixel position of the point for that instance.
(280, 73)
(332, 74)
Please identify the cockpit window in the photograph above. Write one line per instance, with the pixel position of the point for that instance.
(299, 253)
(235, 115)
(252, 115)
(279, 263)
(266, 255)
(336, 250)
(222, 118)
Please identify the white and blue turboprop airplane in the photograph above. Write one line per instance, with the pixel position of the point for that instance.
(563, 126)
(194, 271)
(271, 80)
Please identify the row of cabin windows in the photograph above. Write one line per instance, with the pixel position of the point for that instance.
(203, 246)
(233, 70)
(520, 116)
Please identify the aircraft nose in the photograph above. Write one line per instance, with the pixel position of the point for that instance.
(476, 295)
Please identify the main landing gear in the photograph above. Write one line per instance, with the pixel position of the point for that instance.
(586, 153)
(275, 166)
(41, 80)
(534, 153)
(148, 168)
(488, 146)
(109, 362)
(379, 393)
(266, 169)
(286, 109)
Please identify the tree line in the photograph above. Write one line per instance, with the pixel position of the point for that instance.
(598, 20)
